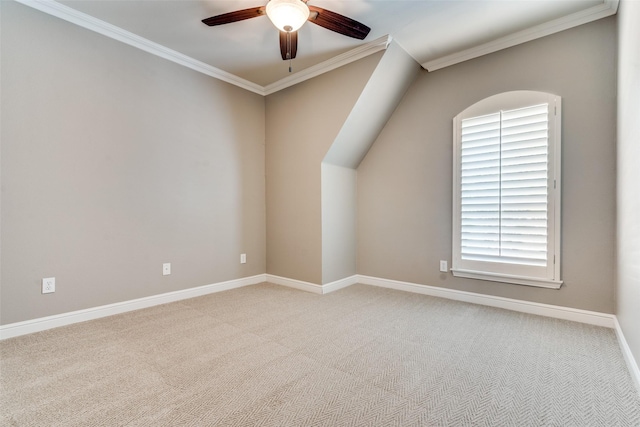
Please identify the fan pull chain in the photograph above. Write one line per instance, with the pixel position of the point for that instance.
(289, 49)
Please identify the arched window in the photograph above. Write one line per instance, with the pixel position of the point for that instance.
(506, 189)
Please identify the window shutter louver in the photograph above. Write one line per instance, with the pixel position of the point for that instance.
(507, 189)
(503, 187)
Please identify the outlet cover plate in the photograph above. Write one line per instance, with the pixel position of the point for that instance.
(48, 285)
(166, 269)
(243, 258)
(443, 266)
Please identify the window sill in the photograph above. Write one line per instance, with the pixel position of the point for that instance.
(505, 278)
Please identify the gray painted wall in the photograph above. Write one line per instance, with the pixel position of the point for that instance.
(391, 78)
(628, 295)
(404, 182)
(115, 161)
(302, 123)
(339, 189)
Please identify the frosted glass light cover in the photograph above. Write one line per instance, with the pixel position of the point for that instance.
(287, 15)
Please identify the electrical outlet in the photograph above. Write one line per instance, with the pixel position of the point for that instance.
(243, 258)
(443, 266)
(48, 285)
(166, 269)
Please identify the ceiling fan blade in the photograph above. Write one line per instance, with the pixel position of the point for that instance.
(288, 44)
(238, 15)
(340, 24)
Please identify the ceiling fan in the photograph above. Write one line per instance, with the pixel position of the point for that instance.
(288, 16)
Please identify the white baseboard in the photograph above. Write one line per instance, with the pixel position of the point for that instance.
(554, 311)
(340, 284)
(628, 356)
(312, 287)
(296, 284)
(49, 322)
(558, 312)
(43, 323)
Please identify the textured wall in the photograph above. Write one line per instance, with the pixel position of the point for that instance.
(115, 161)
(404, 183)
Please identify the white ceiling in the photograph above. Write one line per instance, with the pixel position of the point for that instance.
(434, 32)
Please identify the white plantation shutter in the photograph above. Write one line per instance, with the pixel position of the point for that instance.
(504, 186)
(503, 200)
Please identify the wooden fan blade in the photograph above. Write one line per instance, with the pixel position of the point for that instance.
(238, 15)
(288, 44)
(338, 23)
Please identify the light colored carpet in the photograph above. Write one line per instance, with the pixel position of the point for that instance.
(271, 356)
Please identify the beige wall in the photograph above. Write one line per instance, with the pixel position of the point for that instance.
(404, 182)
(302, 123)
(115, 161)
(628, 295)
(339, 189)
(384, 90)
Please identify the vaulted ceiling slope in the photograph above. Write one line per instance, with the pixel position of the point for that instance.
(435, 33)
(379, 98)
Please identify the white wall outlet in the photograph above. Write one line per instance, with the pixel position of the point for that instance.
(443, 266)
(166, 269)
(48, 285)
(243, 258)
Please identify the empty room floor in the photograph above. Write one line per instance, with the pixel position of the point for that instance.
(273, 356)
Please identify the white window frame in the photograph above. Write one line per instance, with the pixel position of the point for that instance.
(544, 276)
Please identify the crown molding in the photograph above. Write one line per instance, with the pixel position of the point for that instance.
(331, 64)
(101, 27)
(51, 7)
(81, 19)
(607, 8)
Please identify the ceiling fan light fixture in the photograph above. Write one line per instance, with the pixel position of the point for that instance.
(287, 15)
